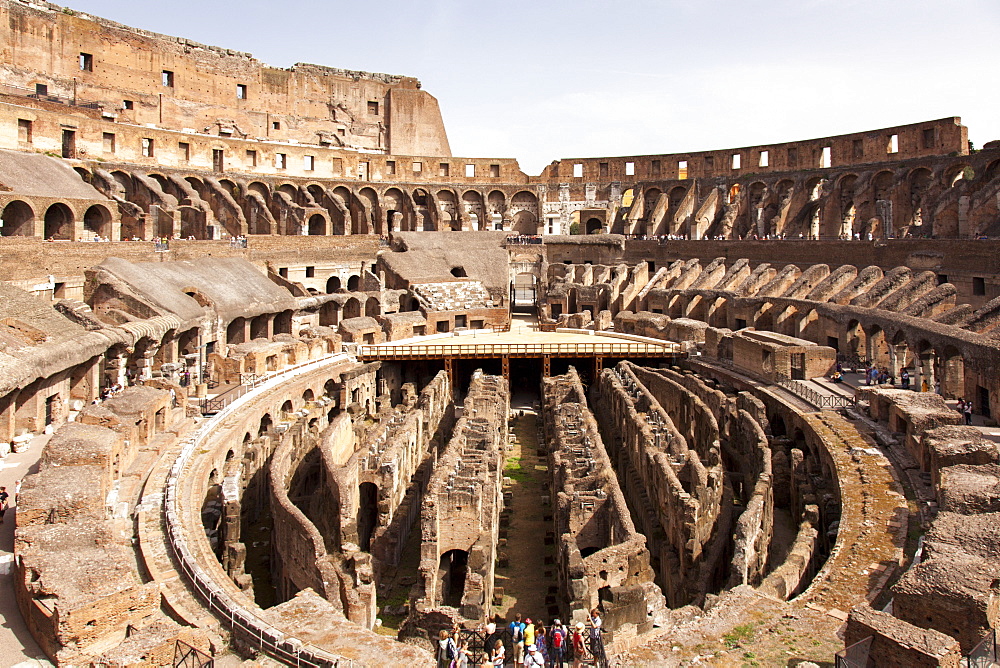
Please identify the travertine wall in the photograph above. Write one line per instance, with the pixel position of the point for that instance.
(182, 84)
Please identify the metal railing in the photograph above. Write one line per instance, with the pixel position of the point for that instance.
(852, 361)
(243, 623)
(517, 350)
(986, 654)
(35, 94)
(186, 656)
(822, 401)
(854, 656)
(479, 646)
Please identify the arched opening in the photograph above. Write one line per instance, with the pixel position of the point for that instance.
(317, 225)
(373, 307)
(308, 396)
(333, 284)
(523, 294)
(329, 314)
(236, 332)
(595, 226)
(265, 425)
(286, 410)
(58, 222)
(367, 514)
(353, 283)
(283, 323)
(97, 219)
(951, 373)
(258, 327)
(18, 220)
(459, 272)
(352, 309)
(452, 569)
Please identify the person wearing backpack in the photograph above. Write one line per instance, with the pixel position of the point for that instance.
(447, 651)
(517, 636)
(557, 644)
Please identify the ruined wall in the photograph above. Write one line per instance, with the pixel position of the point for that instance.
(459, 517)
(601, 557)
(688, 504)
(77, 583)
(181, 84)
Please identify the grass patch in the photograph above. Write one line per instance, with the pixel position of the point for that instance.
(513, 470)
(739, 636)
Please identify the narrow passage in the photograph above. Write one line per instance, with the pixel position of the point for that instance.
(528, 572)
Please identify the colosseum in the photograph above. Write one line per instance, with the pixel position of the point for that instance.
(284, 382)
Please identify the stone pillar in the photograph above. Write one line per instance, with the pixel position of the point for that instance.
(115, 366)
(8, 416)
(145, 363)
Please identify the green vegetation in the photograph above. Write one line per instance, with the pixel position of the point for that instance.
(739, 636)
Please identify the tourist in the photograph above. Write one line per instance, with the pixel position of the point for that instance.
(17, 490)
(542, 642)
(533, 659)
(557, 644)
(3, 502)
(529, 632)
(516, 628)
(447, 651)
(837, 377)
(904, 379)
(497, 657)
(579, 646)
(595, 624)
(967, 412)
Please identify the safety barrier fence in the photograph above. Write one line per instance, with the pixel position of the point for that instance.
(854, 656)
(817, 399)
(986, 654)
(245, 625)
(44, 96)
(480, 645)
(517, 350)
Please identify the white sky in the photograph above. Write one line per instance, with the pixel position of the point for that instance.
(548, 79)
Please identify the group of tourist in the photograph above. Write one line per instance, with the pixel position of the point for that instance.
(965, 408)
(524, 239)
(533, 645)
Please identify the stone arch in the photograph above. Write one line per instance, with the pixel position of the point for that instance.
(97, 219)
(472, 203)
(955, 174)
(373, 307)
(58, 222)
(844, 227)
(329, 314)
(496, 207)
(353, 283)
(951, 372)
(260, 188)
(448, 215)
(424, 219)
(289, 190)
(18, 220)
(333, 284)
(342, 220)
(371, 222)
(231, 187)
(317, 224)
(595, 226)
(394, 203)
(352, 308)
(524, 222)
(992, 171)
